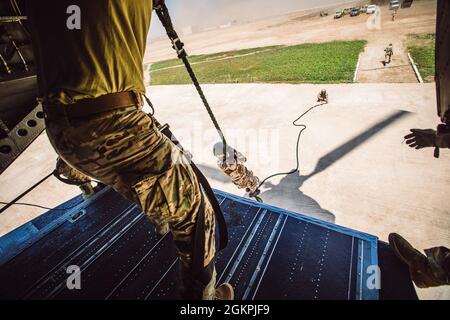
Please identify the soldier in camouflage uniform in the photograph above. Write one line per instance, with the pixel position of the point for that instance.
(231, 162)
(389, 51)
(322, 96)
(120, 147)
(394, 14)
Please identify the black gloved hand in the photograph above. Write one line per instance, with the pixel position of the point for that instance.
(421, 138)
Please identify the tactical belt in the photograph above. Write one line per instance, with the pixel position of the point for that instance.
(92, 106)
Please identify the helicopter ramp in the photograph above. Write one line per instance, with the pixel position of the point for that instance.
(272, 254)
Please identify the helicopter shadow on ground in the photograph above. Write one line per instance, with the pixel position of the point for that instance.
(289, 188)
(288, 194)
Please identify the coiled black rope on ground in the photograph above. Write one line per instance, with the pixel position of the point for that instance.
(297, 154)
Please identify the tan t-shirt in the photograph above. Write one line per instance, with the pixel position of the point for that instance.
(104, 56)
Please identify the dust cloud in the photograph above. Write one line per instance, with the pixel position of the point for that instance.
(196, 15)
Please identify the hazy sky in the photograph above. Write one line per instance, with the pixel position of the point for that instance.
(214, 12)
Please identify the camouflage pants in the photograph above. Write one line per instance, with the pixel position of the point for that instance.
(124, 149)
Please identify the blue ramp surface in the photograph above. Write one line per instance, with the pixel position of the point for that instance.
(272, 254)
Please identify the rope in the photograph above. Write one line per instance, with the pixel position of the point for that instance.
(163, 15)
(39, 206)
(150, 104)
(297, 152)
(205, 102)
(178, 46)
(15, 203)
(8, 204)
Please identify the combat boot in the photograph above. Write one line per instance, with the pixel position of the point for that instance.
(225, 292)
(422, 272)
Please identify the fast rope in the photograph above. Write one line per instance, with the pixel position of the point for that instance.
(297, 153)
(230, 161)
(163, 15)
(227, 152)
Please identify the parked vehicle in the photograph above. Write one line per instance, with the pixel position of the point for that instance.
(371, 9)
(323, 13)
(355, 12)
(347, 10)
(338, 14)
(395, 5)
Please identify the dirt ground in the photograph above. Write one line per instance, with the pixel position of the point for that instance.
(295, 28)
